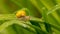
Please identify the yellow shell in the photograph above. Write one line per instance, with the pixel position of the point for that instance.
(20, 13)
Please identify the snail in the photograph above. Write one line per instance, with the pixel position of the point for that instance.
(21, 15)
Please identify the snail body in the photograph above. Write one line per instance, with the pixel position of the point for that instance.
(21, 15)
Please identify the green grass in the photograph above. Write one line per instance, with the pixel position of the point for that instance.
(44, 17)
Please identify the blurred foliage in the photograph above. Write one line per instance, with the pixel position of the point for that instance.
(44, 17)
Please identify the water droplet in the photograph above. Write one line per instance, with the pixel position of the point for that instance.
(24, 25)
(56, 5)
(43, 7)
